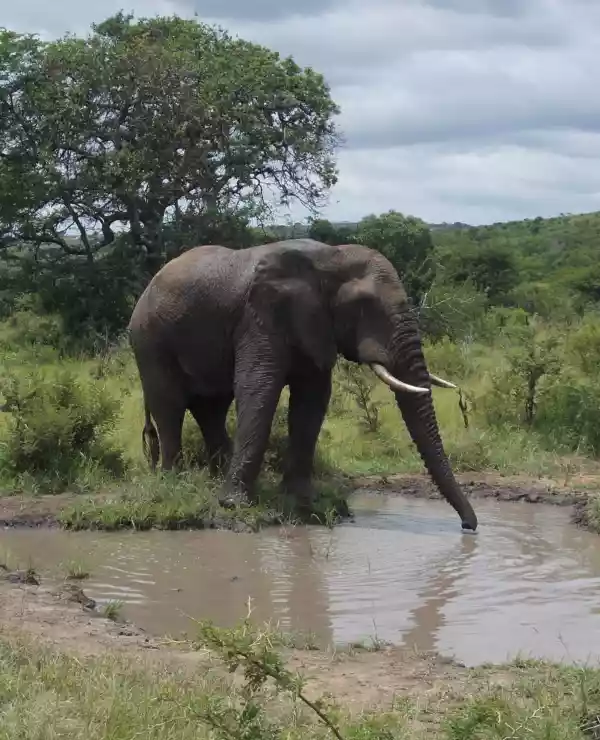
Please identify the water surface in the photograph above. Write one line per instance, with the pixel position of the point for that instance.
(528, 582)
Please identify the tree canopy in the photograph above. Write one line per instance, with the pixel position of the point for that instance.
(406, 241)
(149, 123)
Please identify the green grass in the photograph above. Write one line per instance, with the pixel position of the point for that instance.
(587, 514)
(189, 501)
(112, 610)
(47, 694)
(363, 434)
(593, 514)
(75, 570)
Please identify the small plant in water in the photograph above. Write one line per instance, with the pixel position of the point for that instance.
(112, 610)
(76, 570)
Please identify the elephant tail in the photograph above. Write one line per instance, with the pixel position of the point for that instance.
(150, 442)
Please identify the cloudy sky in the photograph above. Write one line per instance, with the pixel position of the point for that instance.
(452, 110)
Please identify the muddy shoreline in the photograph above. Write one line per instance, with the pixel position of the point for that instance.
(20, 511)
(59, 617)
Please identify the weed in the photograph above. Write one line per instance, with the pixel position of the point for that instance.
(76, 570)
(112, 610)
(359, 385)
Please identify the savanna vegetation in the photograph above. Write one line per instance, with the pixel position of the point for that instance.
(48, 694)
(122, 149)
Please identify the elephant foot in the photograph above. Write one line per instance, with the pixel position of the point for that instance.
(234, 499)
(302, 492)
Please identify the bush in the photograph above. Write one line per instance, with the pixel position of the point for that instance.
(584, 345)
(59, 424)
(40, 335)
(501, 324)
(195, 454)
(454, 361)
(451, 311)
(358, 383)
(568, 416)
(532, 359)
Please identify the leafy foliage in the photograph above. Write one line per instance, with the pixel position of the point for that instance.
(167, 131)
(58, 425)
(406, 241)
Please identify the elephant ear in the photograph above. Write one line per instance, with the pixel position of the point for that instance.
(287, 296)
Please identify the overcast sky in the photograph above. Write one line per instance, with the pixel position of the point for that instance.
(452, 110)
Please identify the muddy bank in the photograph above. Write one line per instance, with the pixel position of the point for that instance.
(28, 511)
(44, 511)
(500, 488)
(358, 677)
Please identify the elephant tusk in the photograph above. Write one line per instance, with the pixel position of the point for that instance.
(440, 382)
(394, 383)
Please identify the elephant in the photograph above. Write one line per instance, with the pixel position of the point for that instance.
(216, 324)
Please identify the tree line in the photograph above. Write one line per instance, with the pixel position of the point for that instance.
(123, 148)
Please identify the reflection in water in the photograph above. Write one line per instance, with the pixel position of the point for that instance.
(403, 572)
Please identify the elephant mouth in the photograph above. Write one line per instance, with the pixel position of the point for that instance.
(399, 385)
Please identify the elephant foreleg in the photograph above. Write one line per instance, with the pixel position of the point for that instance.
(257, 395)
(309, 399)
(210, 414)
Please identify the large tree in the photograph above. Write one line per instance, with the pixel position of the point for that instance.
(406, 242)
(323, 230)
(153, 122)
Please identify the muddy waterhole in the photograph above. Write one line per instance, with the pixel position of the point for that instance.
(528, 583)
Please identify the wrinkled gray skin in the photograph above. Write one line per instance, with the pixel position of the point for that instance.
(216, 324)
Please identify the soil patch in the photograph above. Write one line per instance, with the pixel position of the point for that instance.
(29, 511)
(63, 618)
(485, 485)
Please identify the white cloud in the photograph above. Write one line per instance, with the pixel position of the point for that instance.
(492, 183)
(470, 110)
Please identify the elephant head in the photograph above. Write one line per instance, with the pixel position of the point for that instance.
(350, 300)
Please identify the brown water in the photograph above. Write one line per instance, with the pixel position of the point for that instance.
(528, 582)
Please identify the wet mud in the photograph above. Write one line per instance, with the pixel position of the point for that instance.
(20, 511)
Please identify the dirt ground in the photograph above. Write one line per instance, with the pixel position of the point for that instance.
(361, 678)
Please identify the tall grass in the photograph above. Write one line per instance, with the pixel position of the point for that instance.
(74, 422)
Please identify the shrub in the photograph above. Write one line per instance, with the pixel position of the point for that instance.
(451, 311)
(359, 383)
(568, 416)
(454, 361)
(27, 330)
(274, 461)
(500, 325)
(59, 424)
(584, 345)
(532, 359)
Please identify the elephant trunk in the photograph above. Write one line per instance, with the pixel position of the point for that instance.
(419, 416)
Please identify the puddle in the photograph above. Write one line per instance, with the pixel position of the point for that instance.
(528, 582)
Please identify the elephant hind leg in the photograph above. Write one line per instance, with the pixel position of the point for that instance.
(169, 424)
(150, 443)
(210, 413)
(166, 403)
